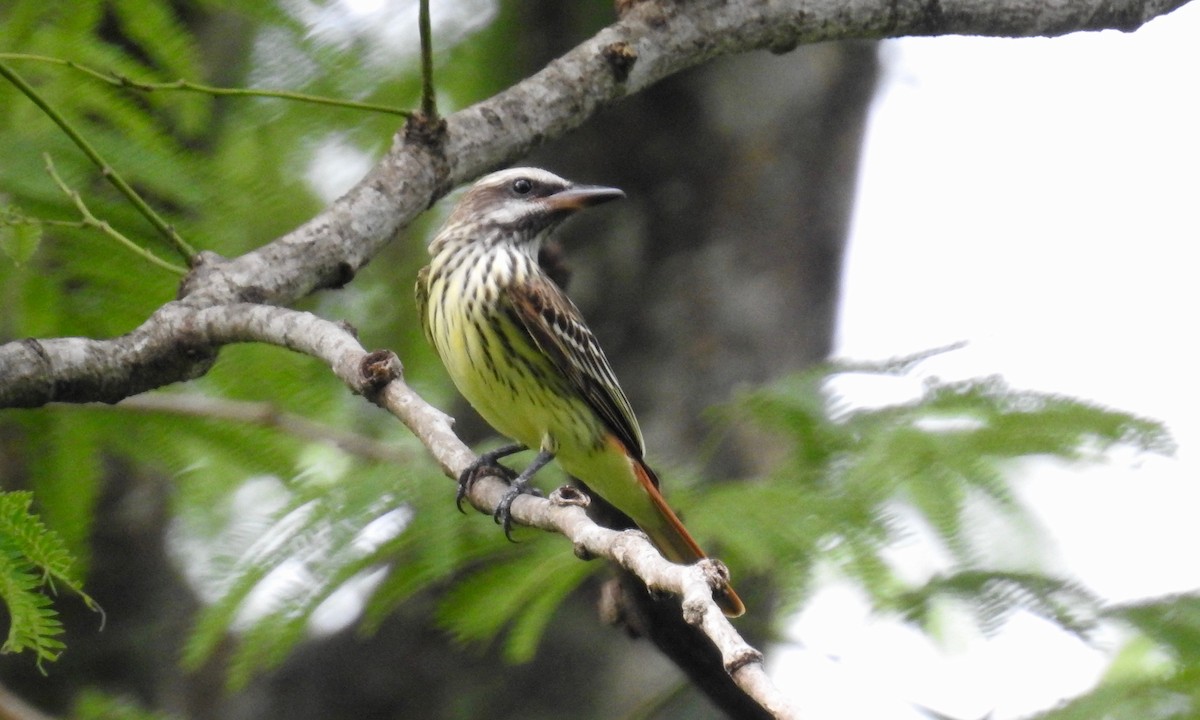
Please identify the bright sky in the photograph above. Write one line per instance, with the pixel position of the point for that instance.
(1039, 199)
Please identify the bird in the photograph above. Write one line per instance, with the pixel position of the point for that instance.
(520, 352)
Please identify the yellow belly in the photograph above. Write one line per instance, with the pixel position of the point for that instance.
(510, 382)
(518, 391)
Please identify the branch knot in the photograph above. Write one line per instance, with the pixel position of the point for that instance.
(377, 369)
(621, 57)
(426, 130)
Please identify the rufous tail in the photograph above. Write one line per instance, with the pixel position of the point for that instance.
(675, 542)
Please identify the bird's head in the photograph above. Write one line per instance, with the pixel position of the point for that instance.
(521, 206)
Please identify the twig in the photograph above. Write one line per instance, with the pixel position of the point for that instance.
(631, 550)
(428, 97)
(119, 80)
(268, 415)
(377, 376)
(91, 221)
(106, 170)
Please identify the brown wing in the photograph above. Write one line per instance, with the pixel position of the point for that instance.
(559, 331)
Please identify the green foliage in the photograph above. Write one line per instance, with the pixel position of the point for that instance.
(18, 240)
(230, 174)
(843, 491)
(1172, 622)
(994, 596)
(379, 535)
(32, 560)
(94, 705)
(1156, 676)
(1175, 698)
(519, 593)
(854, 481)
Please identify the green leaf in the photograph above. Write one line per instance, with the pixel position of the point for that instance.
(399, 530)
(31, 559)
(995, 595)
(520, 593)
(1175, 698)
(1173, 622)
(95, 705)
(19, 241)
(847, 483)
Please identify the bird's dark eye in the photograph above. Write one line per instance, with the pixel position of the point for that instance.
(522, 186)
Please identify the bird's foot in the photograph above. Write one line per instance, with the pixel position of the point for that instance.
(486, 464)
(503, 511)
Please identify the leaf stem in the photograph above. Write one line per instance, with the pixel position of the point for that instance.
(106, 170)
(90, 220)
(118, 80)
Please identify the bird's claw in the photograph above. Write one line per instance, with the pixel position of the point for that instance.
(482, 467)
(503, 513)
(488, 464)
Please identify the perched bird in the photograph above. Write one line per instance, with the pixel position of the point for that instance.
(519, 351)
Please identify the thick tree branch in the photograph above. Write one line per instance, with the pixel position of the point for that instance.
(651, 41)
(35, 372)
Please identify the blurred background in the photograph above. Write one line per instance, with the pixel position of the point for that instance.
(919, 530)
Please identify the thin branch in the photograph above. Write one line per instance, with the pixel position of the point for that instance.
(377, 377)
(15, 708)
(198, 334)
(11, 218)
(268, 415)
(91, 221)
(428, 96)
(652, 41)
(106, 170)
(119, 80)
(564, 513)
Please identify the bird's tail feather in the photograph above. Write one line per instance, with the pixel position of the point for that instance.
(673, 539)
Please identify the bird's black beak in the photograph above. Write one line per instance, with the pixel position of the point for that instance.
(578, 197)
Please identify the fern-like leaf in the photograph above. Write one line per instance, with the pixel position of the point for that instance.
(1173, 622)
(995, 596)
(32, 559)
(852, 481)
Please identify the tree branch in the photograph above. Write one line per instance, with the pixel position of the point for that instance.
(15, 708)
(651, 41)
(91, 221)
(230, 300)
(428, 95)
(377, 376)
